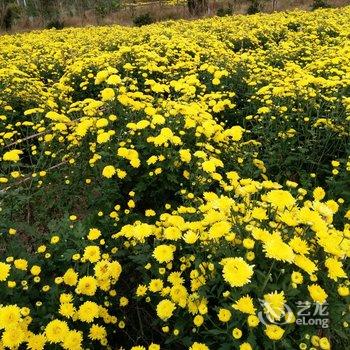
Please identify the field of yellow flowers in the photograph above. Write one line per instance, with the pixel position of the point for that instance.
(185, 185)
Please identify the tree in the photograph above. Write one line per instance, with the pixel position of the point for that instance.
(9, 12)
(197, 7)
(49, 10)
(104, 7)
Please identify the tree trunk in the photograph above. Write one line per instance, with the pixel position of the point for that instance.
(197, 7)
(274, 2)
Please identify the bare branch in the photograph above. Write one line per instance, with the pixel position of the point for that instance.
(25, 139)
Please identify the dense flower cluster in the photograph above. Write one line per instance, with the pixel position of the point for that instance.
(184, 185)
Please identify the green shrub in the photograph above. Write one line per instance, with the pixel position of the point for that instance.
(224, 11)
(55, 24)
(254, 7)
(142, 20)
(317, 4)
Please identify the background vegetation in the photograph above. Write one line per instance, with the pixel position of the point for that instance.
(158, 183)
(28, 14)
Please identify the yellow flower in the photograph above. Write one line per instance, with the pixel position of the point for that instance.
(94, 233)
(101, 123)
(275, 248)
(163, 253)
(35, 270)
(101, 269)
(236, 271)
(297, 277)
(12, 337)
(54, 239)
(12, 231)
(36, 342)
(88, 311)
(335, 269)
(154, 347)
(56, 331)
(175, 278)
(87, 285)
(245, 304)
(123, 301)
(324, 343)
(103, 137)
(141, 290)
(248, 243)
(319, 193)
(209, 166)
(115, 269)
(198, 320)
(11, 284)
(108, 171)
(92, 254)
(317, 293)
(219, 229)
(113, 79)
(185, 155)
(236, 333)
(97, 332)
(21, 264)
(156, 285)
(107, 94)
(41, 249)
(150, 212)
(190, 237)
(315, 340)
(70, 277)
(253, 320)
(279, 198)
(10, 315)
(121, 173)
(274, 332)
(299, 245)
(4, 271)
(12, 156)
(305, 263)
(165, 309)
(263, 110)
(245, 346)
(198, 346)
(274, 305)
(224, 315)
(235, 132)
(259, 213)
(73, 340)
(67, 310)
(343, 291)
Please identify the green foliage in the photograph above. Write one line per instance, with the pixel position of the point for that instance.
(317, 4)
(224, 11)
(49, 10)
(143, 19)
(104, 7)
(56, 24)
(254, 7)
(9, 12)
